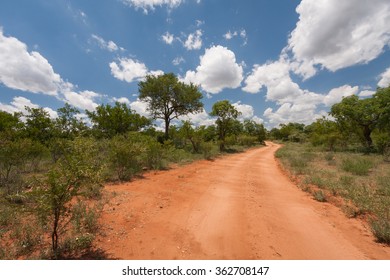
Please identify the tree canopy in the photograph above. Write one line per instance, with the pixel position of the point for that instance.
(109, 121)
(168, 98)
(226, 114)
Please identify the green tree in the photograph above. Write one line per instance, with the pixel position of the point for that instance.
(252, 128)
(109, 121)
(194, 135)
(38, 125)
(359, 116)
(73, 175)
(324, 132)
(67, 124)
(227, 114)
(168, 98)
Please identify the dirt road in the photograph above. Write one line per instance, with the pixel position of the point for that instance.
(240, 206)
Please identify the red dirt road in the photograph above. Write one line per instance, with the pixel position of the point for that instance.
(240, 206)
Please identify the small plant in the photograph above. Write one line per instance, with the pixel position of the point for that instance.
(381, 230)
(357, 165)
(319, 196)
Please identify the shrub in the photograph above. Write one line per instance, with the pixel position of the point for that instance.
(357, 165)
(125, 156)
(381, 229)
(319, 196)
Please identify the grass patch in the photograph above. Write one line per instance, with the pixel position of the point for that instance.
(363, 181)
(357, 165)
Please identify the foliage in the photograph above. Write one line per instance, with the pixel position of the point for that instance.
(226, 114)
(73, 175)
(109, 121)
(168, 98)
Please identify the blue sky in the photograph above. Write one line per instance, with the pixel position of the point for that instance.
(277, 61)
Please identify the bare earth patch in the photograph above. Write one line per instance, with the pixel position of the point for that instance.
(240, 206)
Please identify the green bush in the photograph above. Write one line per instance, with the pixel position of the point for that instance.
(357, 165)
(381, 229)
(319, 196)
(125, 156)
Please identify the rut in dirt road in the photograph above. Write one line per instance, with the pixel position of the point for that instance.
(237, 207)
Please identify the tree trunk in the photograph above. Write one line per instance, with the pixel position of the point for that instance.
(367, 137)
(166, 135)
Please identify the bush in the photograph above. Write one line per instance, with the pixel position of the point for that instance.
(125, 156)
(381, 230)
(357, 165)
(319, 196)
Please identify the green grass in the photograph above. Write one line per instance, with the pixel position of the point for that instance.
(363, 181)
(357, 165)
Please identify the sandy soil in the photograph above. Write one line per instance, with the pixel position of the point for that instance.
(240, 206)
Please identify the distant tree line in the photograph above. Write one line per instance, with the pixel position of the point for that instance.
(353, 123)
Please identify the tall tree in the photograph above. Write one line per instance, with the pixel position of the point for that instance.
(226, 114)
(168, 98)
(109, 121)
(38, 125)
(359, 116)
(67, 123)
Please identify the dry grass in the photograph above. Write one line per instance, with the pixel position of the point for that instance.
(362, 181)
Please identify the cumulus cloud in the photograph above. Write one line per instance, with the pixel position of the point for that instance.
(337, 94)
(109, 46)
(24, 70)
(198, 119)
(341, 34)
(141, 107)
(384, 79)
(288, 112)
(147, 5)
(84, 100)
(130, 70)
(194, 41)
(19, 104)
(218, 69)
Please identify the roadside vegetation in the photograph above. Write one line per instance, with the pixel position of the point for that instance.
(52, 171)
(345, 161)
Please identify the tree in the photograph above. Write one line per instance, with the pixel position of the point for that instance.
(255, 129)
(168, 98)
(109, 121)
(67, 124)
(77, 173)
(359, 116)
(38, 125)
(226, 114)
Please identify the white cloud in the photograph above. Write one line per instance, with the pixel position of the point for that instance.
(336, 34)
(19, 104)
(229, 35)
(168, 38)
(178, 60)
(218, 69)
(110, 45)
(198, 119)
(336, 95)
(384, 79)
(247, 112)
(147, 5)
(194, 41)
(84, 100)
(366, 93)
(128, 70)
(27, 71)
(140, 107)
(287, 112)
